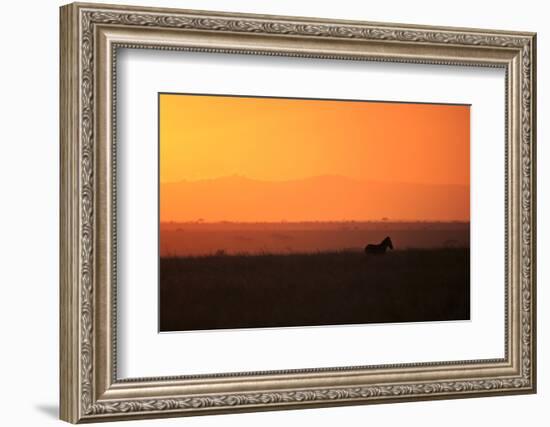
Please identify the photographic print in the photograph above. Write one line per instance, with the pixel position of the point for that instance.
(278, 212)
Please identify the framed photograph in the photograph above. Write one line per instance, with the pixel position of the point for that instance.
(265, 212)
(268, 228)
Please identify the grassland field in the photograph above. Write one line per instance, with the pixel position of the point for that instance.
(229, 291)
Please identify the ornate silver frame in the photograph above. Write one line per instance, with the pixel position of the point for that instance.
(90, 36)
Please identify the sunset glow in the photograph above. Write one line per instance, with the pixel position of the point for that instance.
(418, 148)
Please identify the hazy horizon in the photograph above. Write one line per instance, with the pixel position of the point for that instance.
(292, 175)
(323, 198)
(203, 238)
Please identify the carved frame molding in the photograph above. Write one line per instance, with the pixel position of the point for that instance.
(90, 36)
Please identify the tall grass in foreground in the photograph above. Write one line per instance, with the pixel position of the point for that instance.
(342, 287)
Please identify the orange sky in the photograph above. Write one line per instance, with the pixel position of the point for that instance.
(277, 139)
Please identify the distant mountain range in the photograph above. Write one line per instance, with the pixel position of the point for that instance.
(320, 198)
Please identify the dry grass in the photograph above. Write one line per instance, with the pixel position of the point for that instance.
(326, 288)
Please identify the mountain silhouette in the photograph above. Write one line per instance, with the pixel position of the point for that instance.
(320, 198)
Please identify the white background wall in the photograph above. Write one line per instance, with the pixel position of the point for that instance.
(29, 171)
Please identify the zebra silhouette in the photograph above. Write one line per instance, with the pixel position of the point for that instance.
(380, 248)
